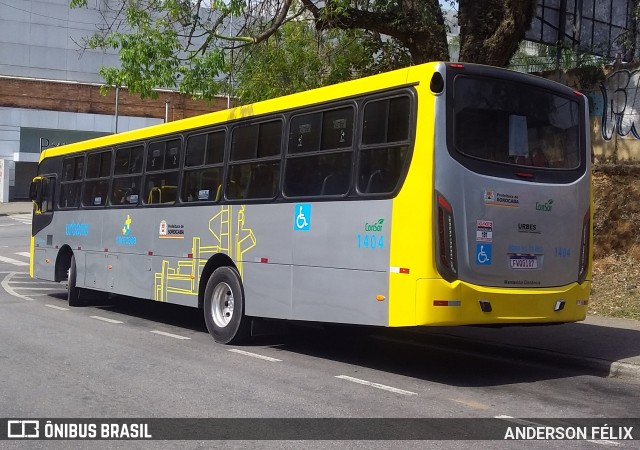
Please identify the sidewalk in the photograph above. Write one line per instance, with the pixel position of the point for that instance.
(10, 208)
(608, 346)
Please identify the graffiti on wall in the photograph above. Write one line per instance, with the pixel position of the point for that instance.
(621, 104)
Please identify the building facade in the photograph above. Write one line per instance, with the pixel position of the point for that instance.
(50, 88)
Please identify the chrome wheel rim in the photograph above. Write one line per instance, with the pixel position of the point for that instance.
(222, 305)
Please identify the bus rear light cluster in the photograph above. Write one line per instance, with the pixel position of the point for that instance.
(584, 247)
(446, 232)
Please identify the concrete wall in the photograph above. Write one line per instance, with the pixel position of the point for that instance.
(614, 108)
(86, 98)
(616, 124)
(39, 39)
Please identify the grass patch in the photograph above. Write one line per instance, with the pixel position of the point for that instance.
(615, 287)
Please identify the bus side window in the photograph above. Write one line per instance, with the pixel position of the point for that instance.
(71, 183)
(254, 168)
(41, 193)
(320, 154)
(48, 190)
(161, 180)
(384, 151)
(96, 184)
(202, 178)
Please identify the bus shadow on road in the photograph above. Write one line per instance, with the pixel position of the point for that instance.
(459, 356)
(161, 313)
(443, 358)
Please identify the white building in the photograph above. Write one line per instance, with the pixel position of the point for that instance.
(40, 50)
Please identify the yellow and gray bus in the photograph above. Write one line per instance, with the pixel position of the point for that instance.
(440, 194)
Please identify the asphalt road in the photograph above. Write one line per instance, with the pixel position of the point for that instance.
(128, 358)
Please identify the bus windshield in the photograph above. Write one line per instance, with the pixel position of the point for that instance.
(498, 121)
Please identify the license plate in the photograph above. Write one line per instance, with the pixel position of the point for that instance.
(523, 262)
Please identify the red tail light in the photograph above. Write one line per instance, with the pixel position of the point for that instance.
(446, 242)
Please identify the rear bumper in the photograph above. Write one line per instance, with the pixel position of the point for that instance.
(439, 302)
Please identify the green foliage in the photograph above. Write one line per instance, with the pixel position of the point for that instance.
(273, 47)
(298, 57)
(154, 50)
(534, 57)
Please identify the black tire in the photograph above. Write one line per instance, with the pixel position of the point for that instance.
(73, 291)
(224, 307)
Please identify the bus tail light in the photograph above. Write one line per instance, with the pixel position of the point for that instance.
(584, 247)
(446, 241)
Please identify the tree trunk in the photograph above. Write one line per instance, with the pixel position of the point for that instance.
(491, 30)
(417, 24)
(427, 40)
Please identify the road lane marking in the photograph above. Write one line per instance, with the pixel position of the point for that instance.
(15, 262)
(23, 218)
(56, 307)
(37, 289)
(32, 285)
(376, 385)
(471, 404)
(25, 254)
(9, 289)
(175, 336)
(104, 319)
(255, 355)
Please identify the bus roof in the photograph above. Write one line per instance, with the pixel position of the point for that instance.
(327, 93)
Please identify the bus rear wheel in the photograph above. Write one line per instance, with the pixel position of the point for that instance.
(73, 291)
(224, 307)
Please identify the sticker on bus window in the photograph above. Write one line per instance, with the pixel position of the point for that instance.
(302, 217)
(203, 194)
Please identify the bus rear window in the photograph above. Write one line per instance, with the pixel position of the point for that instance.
(497, 121)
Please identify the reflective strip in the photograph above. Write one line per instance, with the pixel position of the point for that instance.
(447, 303)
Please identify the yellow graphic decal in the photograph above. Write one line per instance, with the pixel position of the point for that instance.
(127, 226)
(232, 241)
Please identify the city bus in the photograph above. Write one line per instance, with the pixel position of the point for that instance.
(439, 194)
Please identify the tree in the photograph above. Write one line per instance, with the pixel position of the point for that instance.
(296, 58)
(491, 30)
(187, 43)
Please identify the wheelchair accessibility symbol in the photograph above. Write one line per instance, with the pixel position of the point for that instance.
(302, 217)
(483, 254)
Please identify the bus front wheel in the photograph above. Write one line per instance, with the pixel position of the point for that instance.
(73, 291)
(224, 307)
